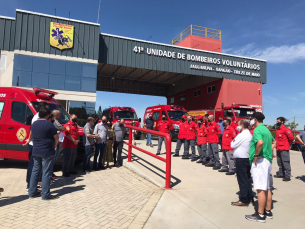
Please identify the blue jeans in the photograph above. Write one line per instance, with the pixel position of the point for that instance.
(30, 165)
(148, 139)
(86, 162)
(99, 150)
(44, 165)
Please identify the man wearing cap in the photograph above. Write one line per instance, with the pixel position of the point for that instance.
(284, 138)
(190, 135)
(164, 127)
(260, 156)
(213, 139)
(181, 135)
(202, 141)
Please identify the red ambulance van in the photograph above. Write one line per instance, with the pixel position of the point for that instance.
(173, 114)
(126, 113)
(17, 108)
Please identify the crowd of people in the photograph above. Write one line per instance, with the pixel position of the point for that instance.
(48, 138)
(247, 151)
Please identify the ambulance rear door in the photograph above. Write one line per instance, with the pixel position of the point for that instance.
(3, 113)
(18, 124)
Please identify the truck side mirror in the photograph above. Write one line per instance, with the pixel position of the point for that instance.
(140, 119)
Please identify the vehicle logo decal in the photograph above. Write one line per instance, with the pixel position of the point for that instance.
(21, 134)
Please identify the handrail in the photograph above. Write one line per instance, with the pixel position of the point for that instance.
(199, 31)
(168, 158)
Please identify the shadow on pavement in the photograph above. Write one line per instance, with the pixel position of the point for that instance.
(138, 159)
(68, 190)
(12, 200)
(302, 178)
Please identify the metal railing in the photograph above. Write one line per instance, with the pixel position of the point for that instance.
(168, 158)
(198, 31)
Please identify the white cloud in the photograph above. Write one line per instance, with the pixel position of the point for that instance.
(275, 54)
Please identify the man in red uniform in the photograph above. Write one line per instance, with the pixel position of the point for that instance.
(227, 157)
(164, 126)
(213, 138)
(181, 135)
(202, 141)
(190, 135)
(284, 138)
(70, 144)
(234, 125)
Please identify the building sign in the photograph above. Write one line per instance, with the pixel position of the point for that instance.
(61, 35)
(205, 63)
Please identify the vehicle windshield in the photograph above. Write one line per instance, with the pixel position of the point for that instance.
(239, 112)
(64, 116)
(128, 115)
(176, 115)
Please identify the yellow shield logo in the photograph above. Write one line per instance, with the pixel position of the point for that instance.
(21, 134)
(61, 35)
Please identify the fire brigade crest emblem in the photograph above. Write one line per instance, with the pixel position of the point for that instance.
(21, 134)
(61, 35)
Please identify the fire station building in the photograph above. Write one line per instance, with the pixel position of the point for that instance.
(74, 59)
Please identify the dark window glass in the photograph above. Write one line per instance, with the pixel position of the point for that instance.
(21, 113)
(57, 67)
(72, 83)
(73, 68)
(82, 111)
(57, 82)
(156, 115)
(64, 116)
(41, 64)
(213, 88)
(1, 108)
(22, 62)
(209, 89)
(88, 84)
(198, 92)
(129, 115)
(182, 97)
(40, 80)
(176, 115)
(22, 79)
(89, 70)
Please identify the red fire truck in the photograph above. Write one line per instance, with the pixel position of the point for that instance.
(173, 114)
(17, 108)
(126, 113)
(236, 111)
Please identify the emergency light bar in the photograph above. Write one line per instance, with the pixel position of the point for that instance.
(50, 93)
(125, 109)
(173, 107)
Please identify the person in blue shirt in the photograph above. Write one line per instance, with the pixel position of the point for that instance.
(45, 141)
(220, 123)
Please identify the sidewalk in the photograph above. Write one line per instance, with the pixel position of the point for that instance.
(201, 197)
(112, 198)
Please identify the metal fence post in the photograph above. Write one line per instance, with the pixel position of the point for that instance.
(129, 147)
(168, 162)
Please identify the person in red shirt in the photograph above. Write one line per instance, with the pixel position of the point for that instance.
(164, 127)
(69, 145)
(190, 135)
(202, 141)
(284, 138)
(227, 157)
(213, 138)
(181, 136)
(234, 125)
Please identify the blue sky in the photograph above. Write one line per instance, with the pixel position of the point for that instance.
(270, 30)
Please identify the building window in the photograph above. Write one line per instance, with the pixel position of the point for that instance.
(2, 62)
(182, 97)
(172, 100)
(211, 89)
(196, 93)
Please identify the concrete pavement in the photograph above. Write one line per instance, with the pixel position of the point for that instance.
(201, 197)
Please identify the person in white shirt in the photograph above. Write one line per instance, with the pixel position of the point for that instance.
(241, 146)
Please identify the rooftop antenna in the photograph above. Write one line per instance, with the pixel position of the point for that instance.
(148, 38)
(55, 12)
(98, 12)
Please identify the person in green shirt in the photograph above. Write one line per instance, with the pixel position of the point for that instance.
(260, 156)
